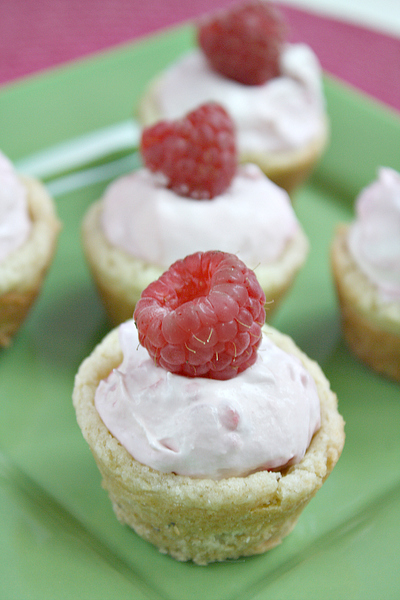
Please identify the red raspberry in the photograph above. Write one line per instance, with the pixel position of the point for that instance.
(245, 42)
(197, 153)
(203, 317)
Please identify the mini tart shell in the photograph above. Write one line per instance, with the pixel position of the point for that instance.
(23, 271)
(120, 278)
(371, 326)
(202, 519)
(288, 169)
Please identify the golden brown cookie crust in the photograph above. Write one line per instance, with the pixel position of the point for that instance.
(201, 519)
(23, 271)
(370, 326)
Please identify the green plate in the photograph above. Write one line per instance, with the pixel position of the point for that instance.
(58, 536)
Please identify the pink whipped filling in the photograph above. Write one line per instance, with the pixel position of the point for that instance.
(254, 219)
(15, 224)
(374, 237)
(285, 113)
(262, 419)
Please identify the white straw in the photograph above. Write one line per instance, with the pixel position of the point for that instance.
(81, 151)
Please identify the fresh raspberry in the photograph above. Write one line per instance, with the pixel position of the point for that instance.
(197, 153)
(245, 42)
(203, 317)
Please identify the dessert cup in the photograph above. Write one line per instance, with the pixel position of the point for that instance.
(206, 520)
(120, 277)
(271, 88)
(23, 271)
(371, 324)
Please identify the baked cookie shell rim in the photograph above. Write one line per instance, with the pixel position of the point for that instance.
(299, 482)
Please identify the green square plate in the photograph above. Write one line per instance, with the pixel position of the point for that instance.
(58, 536)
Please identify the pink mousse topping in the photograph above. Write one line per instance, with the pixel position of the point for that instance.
(254, 219)
(262, 419)
(374, 237)
(283, 114)
(15, 224)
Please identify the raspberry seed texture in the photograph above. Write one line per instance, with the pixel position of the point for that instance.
(244, 43)
(203, 316)
(197, 154)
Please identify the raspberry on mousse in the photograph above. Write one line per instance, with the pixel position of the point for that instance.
(203, 316)
(245, 42)
(197, 153)
(190, 195)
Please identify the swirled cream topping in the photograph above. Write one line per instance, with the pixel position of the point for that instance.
(254, 219)
(262, 419)
(14, 217)
(374, 237)
(285, 113)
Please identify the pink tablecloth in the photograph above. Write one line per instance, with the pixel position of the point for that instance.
(40, 34)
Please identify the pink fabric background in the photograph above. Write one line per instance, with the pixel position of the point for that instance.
(40, 34)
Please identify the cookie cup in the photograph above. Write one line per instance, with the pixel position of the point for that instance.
(288, 169)
(120, 277)
(205, 520)
(371, 325)
(23, 271)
